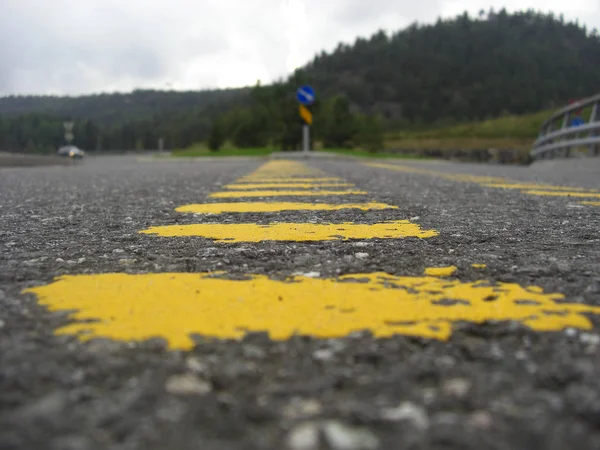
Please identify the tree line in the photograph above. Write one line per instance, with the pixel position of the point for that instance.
(453, 71)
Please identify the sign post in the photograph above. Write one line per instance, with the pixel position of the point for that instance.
(306, 97)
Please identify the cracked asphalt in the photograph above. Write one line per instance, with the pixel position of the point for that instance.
(493, 384)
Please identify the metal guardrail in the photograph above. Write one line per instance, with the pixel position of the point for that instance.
(558, 137)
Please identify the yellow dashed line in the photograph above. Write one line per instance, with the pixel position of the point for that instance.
(242, 194)
(590, 203)
(175, 306)
(286, 185)
(479, 266)
(263, 207)
(301, 232)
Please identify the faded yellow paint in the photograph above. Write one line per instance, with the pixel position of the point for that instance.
(286, 180)
(564, 194)
(302, 232)
(242, 194)
(284, 168)
(176, 306)
(470, 178)
(479, 266)
(441, 271)
(286, 185)
(590, 203)
(540, 187)
(450, 176)
(499, 183)
(262, 207)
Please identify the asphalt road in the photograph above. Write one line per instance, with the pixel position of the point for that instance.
(320, 304)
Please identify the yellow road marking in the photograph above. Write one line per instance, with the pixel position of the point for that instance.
(470, 178)
(590, 203)
(500, 183)
(540, 187)
(456, 177)
(279, 168)
(175, 306)
(286, 185)
(564, 194)
(301, 232)
(286, 180)
(260, 207)
(441, 271)
(241, 194)
(479, 266)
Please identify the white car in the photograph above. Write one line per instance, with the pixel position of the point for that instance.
(71, 151)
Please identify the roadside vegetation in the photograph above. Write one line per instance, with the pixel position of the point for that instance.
(200, 150)
(439, 85)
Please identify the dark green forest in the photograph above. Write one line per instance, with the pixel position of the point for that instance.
(453, 71)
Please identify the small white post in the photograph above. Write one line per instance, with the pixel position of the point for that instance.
(305, 138)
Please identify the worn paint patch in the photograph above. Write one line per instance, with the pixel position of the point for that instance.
(286, 185)
(302, 232)
(441, 271)
(176, 306)
(590, 203)
(307, 193)
(264, 207)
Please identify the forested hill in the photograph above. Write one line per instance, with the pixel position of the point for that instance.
(465, 68)
(119, 107)
(455, 70)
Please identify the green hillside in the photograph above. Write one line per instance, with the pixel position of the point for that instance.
(408, 86)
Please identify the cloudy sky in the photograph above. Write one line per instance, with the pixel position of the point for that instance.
(89, 46)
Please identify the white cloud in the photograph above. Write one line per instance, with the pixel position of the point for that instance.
(74, 46)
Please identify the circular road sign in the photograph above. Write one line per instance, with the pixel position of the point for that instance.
(306, 95)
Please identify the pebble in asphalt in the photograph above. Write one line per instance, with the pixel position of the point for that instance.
(434, 306)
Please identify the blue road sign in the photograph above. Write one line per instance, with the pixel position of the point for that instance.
(577, 122)
(306, 95)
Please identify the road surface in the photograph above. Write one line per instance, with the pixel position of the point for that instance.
(317, 304)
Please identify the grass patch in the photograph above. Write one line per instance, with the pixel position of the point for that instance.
(458, 143)
(506, 127)
(200, 151)
(507, 132)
